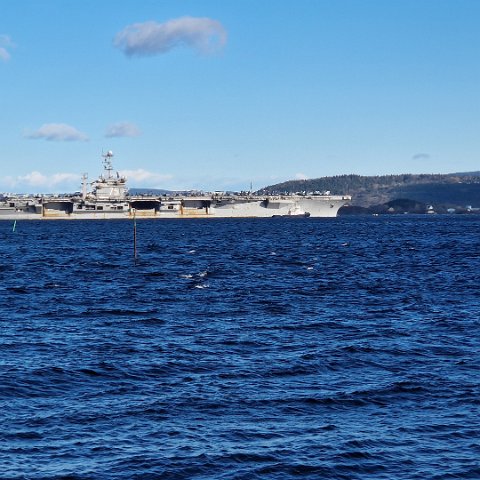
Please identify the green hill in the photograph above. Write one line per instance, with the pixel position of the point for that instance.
(446, 191)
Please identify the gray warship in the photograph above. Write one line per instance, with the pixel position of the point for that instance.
(108, 198)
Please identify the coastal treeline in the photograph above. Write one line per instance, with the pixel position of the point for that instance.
(348, 184)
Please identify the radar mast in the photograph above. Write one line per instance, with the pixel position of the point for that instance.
(107, 163)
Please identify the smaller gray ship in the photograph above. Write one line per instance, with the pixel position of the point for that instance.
(108, 198)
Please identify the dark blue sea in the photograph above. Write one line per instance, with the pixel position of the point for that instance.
(344, 348)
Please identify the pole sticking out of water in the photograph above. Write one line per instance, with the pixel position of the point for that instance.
(14, 226)
(134, 237)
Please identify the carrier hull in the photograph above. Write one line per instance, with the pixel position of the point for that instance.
(187, 207)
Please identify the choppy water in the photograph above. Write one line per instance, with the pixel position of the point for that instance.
(241, 349)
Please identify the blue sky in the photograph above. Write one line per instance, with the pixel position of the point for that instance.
(216, 94)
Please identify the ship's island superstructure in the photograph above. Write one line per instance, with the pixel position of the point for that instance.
(109, 199)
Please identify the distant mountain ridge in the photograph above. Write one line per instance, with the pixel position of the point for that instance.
(447, 190)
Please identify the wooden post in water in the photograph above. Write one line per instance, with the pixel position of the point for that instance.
(134, 237)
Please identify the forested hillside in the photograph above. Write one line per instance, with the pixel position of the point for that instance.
(448, 190)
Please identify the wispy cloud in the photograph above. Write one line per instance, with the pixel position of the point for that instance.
(301, 176)
(57, 132)
(144, 178)
(151, 38)
(5, 44)
(123, 129)
(36, 182)
(421, 156)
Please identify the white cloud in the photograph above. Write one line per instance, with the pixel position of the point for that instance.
(144, 178)
(5, 43)
(123, 129)
(60, 178)
(34, 179)
(58, 132)
(4, 55)
(301, 176)
(151, 38)
(36, 182)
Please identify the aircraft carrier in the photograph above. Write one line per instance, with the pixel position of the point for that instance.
(108, 198)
